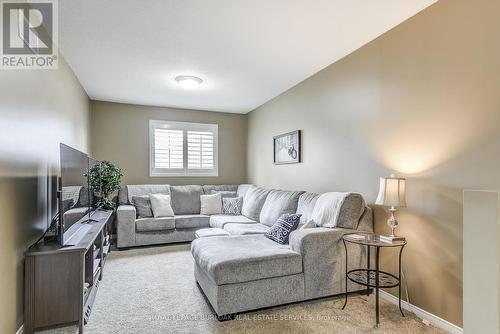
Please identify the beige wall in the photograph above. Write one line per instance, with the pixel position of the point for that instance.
(120, 133)
(481, 258)
(38, 109)
(422, 101)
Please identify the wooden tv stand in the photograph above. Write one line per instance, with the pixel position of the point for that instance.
(60, 283)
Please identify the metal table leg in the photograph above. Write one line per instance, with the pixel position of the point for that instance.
(368, 268)
(345, 301)
(400, 252)
(377, 320)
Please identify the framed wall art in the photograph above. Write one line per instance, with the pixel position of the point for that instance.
(287, 148)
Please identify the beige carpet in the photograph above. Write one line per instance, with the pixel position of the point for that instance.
(152, 290)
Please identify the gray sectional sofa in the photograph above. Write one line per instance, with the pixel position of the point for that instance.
(133, 231)
(245, 270)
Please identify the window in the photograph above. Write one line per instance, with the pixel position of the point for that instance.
(180, 149)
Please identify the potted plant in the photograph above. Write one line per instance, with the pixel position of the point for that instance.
(105, 178)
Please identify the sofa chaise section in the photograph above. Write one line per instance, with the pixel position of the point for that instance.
(238, 273)
(248, 272)
(321, 252)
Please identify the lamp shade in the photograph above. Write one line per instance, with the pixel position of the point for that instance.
(392, 192)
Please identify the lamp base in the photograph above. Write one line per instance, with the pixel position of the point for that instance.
(391, 238)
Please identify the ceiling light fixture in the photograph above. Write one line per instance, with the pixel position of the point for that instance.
(188, 82)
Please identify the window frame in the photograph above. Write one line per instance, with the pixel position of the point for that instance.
(185, 127)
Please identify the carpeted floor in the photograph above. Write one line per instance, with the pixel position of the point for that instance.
(152, 290)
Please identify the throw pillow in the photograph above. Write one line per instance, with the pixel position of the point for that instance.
(160, 204)
(280, 231)
(211, 204)
(232, 205)
(142, 206)
(225, 193)
(67, 204)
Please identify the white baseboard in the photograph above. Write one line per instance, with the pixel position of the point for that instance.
(422, 314)
(20, 330)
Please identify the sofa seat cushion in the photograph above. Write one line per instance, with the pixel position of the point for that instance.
(210, 232)
(221, 220)
(191, 221)
(238, 258)
(186, 199)
(244, 229)
(277, 203)
(154, 224)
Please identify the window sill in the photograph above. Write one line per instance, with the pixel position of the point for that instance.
(183, 175)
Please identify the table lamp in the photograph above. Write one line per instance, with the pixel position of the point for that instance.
(392, 195)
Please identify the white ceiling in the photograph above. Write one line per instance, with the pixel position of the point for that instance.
(246, 51)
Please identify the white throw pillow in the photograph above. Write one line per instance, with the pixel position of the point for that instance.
(160, 204)
(211, 204)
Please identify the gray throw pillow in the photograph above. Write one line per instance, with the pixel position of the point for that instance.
(225, 193)
(67, 204)
(232, 205)
(83, 197)
(142, 206)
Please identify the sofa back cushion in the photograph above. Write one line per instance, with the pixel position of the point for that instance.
(209, 188)
(242, 190)
(125, 194)
(186, 199)
(306, 205)
(225, 193)
(253, 201)
(277, 203)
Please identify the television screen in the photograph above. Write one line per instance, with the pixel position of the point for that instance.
(76, 199)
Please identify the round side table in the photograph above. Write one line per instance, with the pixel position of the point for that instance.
(372, 278)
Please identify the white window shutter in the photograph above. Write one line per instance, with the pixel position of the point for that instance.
(200, 150)
(168, 148)
(181, 148)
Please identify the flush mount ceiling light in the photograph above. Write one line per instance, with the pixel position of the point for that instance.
(188, 82)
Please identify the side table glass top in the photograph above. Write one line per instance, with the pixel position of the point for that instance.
(371, 239)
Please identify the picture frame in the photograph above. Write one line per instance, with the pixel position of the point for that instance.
(287, 148)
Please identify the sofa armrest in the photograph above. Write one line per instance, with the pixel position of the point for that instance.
(125, 229)
(313, 241)
(323, 259)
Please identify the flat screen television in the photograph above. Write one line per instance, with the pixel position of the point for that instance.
(75, 198)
